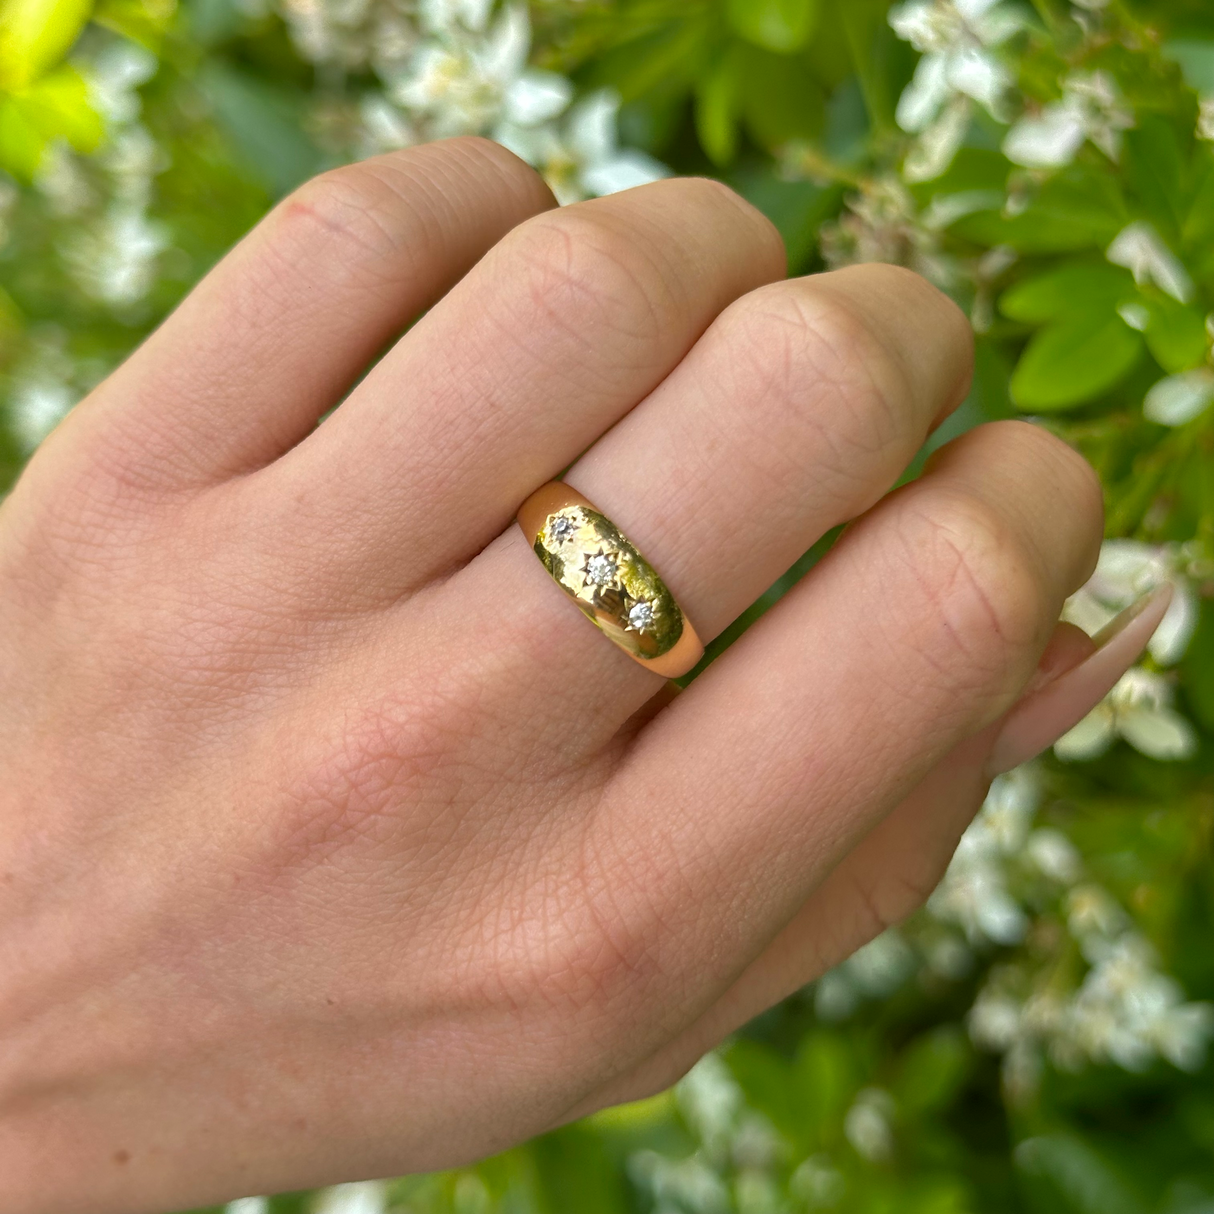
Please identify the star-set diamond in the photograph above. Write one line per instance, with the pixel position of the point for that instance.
(561, 528)
(600, 568)
(641, 616)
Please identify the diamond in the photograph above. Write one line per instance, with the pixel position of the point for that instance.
(600, 569)
(561, 529)
(641, 616)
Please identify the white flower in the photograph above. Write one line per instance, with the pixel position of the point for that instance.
(248, 1205)
(818, 1182)
(682, 1184)
(995, 1020)
(1090, 109)
(114, 260)
(1139, 248)
(581, 157)
(1055, 855)
(461, 84)
(439, 16)
(114, 76)
(361, 1197)
(42, 389)
(955, 68)
(936, 147)
(867, 1124)
(353, 34)
(1180, 398)
(710, 1098)
(1139, 710)
(974, 892)
(1205, 119)
(1126, 570)
(881, 223)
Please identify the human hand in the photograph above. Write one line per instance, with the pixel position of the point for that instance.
(333, 842)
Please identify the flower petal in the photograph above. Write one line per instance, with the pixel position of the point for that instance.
(1160, 732)
(927, 92)
(1180, 398)
(1139, 248)
(622, 171)
(1047, 140)
(1176, 628)
(535, 97)
(1091, 737)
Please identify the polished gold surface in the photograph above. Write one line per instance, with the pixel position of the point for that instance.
(609, 580)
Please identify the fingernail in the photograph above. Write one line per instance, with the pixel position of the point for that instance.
(1044, 716)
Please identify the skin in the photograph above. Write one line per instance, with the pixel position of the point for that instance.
(334, 842)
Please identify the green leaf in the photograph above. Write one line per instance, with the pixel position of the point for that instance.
(35, 35)
(1086, 1181)
(780, 99)
(1077, 209)
(58, 106)
(933, 1069)
(1154, 164)
(21, 143)
(1072, 361)
(826, 1079)
(265, 125)
(1196, 59)
(1068, 291)
(1176, 335)
(143, 21)
(775, 25)
(797, 208)
(1197, 670)
(716, 112)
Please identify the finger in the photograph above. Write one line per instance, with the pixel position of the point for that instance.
(896, 866)
(889, 874)
(278, 331)
(918, 631)
(796, 410)
(569, 321)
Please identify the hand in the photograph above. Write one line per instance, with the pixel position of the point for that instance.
(334, 842)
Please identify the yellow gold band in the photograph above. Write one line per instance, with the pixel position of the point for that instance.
(612, 583)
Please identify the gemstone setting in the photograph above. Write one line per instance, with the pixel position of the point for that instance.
(641, 616)
(609, 580)
(562, 529)
(600, 568)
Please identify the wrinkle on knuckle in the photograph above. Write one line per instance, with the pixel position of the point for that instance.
(369, 777)
(353, 209)
(820, 385)
(599, 958)
(978, 579)
(584, 277)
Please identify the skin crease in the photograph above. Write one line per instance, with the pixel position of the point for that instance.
(333, 842)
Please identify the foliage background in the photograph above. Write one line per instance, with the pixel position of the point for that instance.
(1035, 1039)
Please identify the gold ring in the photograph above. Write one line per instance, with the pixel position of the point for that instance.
(612, 583)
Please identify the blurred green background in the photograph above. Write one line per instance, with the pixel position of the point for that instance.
(1036, 1039)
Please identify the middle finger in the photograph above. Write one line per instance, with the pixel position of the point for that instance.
(796, 411)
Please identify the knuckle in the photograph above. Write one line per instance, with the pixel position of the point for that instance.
(582, 271)
(981, 576)
(350, 206)
(814, 359)
(357, 781)
(708, 194)
(480, 151)
(1069, 474)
